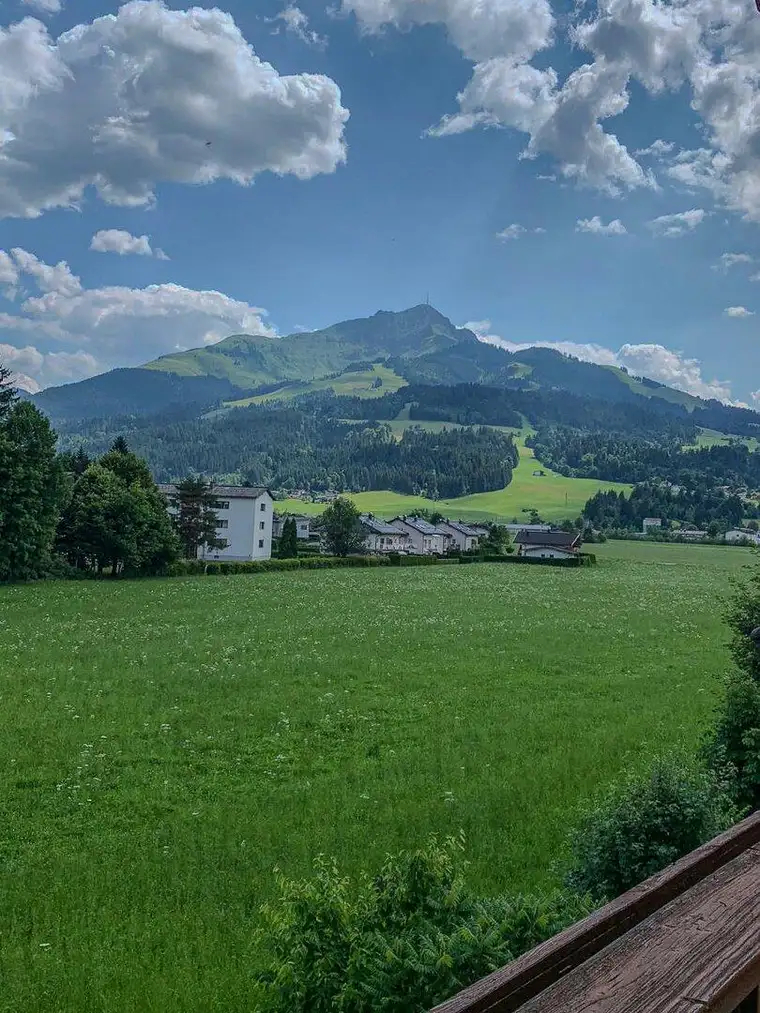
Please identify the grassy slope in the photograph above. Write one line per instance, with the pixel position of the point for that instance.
(553, 496)
(159, 764)
(357, 383)
(712, 438)
(664, 393)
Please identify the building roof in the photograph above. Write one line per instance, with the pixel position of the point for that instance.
(553, 539)
(424, 527)
(378, 527)
(226, 491)
(463, 529)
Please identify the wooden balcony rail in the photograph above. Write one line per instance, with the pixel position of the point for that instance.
(685, 941)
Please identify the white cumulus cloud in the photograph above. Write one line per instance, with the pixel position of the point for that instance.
(738, 312)
(596, 226)
(147, 95)
(654, 361)
(295, 21)
(44, 6)
(671, 226)
(122, 242)
(99, 328)
(729, 260)
(512, 232)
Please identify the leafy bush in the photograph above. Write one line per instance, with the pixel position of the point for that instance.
(398, 943)
(732, 749)
(643, 823)
(743, 616)
(195, 567)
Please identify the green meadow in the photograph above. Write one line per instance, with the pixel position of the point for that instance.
(168, 743)
(553, 496)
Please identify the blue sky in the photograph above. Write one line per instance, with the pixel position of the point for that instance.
(375, 153)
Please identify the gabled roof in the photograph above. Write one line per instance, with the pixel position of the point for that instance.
(555, 539)
(226, 491)
(378, 527)
(463, 529)
(424, 527)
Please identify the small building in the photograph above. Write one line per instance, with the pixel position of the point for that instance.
(303, 526)
(547, 544)
(741, 535)
(516, 528)
(425, 539)
(463, 536)
(692, 534)
(650, 523)
(245, 517)
(383, 537)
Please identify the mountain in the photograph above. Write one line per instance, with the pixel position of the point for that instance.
(419, 345)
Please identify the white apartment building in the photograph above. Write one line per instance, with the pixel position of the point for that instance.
(245, 523)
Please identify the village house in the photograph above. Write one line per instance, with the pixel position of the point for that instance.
(245, 519)
(425, 539)
(651, 523)
(303, 525)
(383, 537)
(742, 535)
(514, 529)
(547, 544)
(463, 536)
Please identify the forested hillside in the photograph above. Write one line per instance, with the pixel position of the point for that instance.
(288, 448)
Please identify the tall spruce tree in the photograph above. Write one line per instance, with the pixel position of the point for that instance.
(32, 487)
(289, 539)
(195, 518)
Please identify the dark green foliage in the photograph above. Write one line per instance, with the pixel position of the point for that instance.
(732, 748)
(341, 528)
(117, 519)
(397, 943)
(195, 519)
(32, 490)
(699, 506)
(289, 539)
(645, 822)
(497, 542)
(287, 448)
(8, 395)
(743, 616)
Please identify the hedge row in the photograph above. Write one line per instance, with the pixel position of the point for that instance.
(190, 567)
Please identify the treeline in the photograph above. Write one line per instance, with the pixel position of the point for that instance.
(620, 458)
(61, 513)
(289, 448)
(699, 507)
(472, 404)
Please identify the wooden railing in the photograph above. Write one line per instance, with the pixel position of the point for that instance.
(686, 940)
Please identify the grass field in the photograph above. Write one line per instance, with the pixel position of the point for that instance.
(554, 496)
(713, 438)
(166, 743)
(352, 383)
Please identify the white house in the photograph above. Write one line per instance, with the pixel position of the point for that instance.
(651, 522)
(303, 526)
(463, 536)
(383, 537)
(245, 522)
(547, 544)
(742, 535)
(516, 528)
(425, 539)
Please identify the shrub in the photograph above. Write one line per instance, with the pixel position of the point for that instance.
(743, 616)
(398, 943)
(732, 748)
(643, 823)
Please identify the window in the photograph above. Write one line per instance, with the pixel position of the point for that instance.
(223, 504)
(263, 507)
(262, 525)
(223, 524)
(261, 543)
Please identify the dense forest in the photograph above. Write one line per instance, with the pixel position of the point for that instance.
(288, 448)
(700, 507)
(619, 458)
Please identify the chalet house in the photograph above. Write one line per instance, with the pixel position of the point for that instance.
(742, 535)
(463, 536)
(245, 518)
(425, 539)
(303, 526)
(380, 536)
(547, 544)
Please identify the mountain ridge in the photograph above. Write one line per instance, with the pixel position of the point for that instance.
(420, 344)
